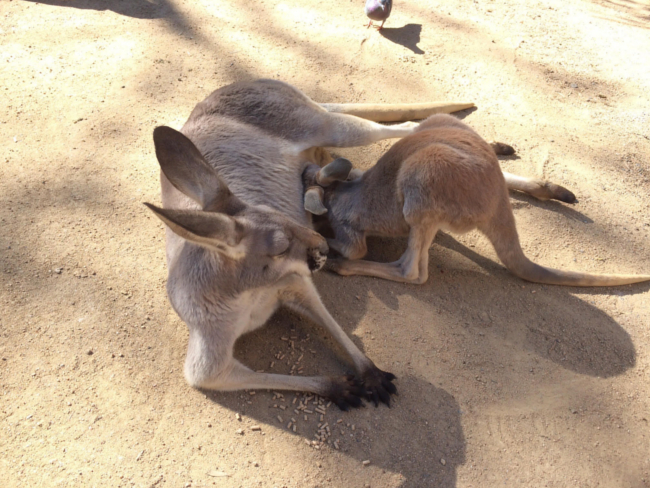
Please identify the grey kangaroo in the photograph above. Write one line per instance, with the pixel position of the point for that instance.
(239, 242)
(443, 176)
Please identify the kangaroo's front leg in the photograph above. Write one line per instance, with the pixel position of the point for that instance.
(377, 383)
(210, 365)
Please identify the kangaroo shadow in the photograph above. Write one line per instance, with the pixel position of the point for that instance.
(407, 36)
(420, 437)
(543, 319)
(552, 205)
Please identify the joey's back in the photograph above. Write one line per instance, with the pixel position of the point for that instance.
(441, 168)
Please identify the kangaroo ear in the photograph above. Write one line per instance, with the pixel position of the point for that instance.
(184, 166)
(214, 231)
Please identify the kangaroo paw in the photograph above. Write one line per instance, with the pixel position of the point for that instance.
(378, 385)
(346, 392)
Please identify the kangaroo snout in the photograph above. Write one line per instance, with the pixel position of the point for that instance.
(316, 256)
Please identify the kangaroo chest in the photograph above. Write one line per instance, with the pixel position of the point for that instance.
(257, 307)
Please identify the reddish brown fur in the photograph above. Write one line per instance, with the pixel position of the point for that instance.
(443, 176)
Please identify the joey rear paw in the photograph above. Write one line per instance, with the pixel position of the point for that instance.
(378, 385)
(346, 392)
(502, 149)
(560, 193)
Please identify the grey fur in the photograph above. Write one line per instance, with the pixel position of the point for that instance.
(239, 243)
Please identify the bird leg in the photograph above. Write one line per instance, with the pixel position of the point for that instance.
(369, 24)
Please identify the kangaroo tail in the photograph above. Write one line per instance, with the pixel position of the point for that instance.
(397, 112)
(502, 233)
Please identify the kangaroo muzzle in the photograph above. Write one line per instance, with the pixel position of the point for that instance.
(316, 258)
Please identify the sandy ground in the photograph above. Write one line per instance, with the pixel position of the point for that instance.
(501, 383)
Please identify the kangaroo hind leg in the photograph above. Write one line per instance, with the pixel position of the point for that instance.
(341, 130)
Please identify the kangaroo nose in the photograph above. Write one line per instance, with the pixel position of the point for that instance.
(316, 257)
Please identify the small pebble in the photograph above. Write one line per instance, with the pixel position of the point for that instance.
(443, 462)
(366, 462)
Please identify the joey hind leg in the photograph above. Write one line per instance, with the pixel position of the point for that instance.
(542, 190)
(205, 368)
(411, 267)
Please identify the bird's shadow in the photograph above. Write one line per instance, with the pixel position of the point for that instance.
(407, 36)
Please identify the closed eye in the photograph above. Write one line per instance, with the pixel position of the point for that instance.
(283, 253)
(278, 245)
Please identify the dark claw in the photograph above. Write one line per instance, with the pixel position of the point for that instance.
(378, 386)
(343, 406)
(391, 388)
(345, 392)
(385, 397)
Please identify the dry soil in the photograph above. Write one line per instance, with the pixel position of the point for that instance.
(501, 383)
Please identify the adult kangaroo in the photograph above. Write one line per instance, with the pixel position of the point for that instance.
(443, 176)
(239, 242)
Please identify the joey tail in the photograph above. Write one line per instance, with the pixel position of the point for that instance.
(502, 233)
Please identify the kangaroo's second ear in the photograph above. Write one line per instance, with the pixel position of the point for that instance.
(184, 166)
(212, 230)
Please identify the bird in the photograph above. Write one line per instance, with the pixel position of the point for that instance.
(378, 10)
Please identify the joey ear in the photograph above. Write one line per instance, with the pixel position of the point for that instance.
(314, 200)
(186, 168)
(215, 231)
(337, 170)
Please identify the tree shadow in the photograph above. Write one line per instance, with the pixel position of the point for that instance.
(137, 9)
(636, 14)
(407, 36)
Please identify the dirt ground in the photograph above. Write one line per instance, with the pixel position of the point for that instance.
(502, 383)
